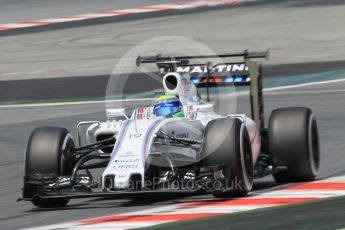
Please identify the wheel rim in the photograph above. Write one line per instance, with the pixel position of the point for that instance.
(68, 141)
(246, 160)
(314, 148)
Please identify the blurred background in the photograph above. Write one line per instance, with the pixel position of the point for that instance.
(56, 58)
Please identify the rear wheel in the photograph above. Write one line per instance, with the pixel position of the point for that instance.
(227, 143)
(47, 153)
(294, 143)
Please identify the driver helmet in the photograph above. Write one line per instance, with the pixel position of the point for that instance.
(168, 105)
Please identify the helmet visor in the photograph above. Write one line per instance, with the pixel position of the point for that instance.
(166, 108)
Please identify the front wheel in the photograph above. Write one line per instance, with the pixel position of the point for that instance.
(47, 153)
(227, 143)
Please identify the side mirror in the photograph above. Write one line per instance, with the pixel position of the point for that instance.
(113, 113)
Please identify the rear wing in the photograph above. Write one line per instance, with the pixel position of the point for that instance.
(244, 73)
(207, 74)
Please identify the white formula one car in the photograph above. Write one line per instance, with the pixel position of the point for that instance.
(178, 146)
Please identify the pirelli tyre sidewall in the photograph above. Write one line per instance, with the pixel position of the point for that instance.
(227, 143)
(294, 143)
(47, 153)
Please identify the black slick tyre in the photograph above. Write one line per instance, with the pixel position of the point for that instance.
(47, 153)
(294, 144)
(227, 143)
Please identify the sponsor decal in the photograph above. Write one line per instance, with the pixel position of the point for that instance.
(182, 135)
(136, 135)
(215, 69)
(126, 161)
(121, 176)
(126, 164)
(128, 154)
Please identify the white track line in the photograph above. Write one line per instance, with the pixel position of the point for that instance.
(150, 99)
(335, 179)
(219, 209)
(119, 13)
(308, 92)
(303, 85)
(72, 103)
(105, 226)
(301, 193)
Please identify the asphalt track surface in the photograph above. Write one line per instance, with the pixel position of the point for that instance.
(94, 87)
(16, 124)
(294, 32)
(317, 38)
